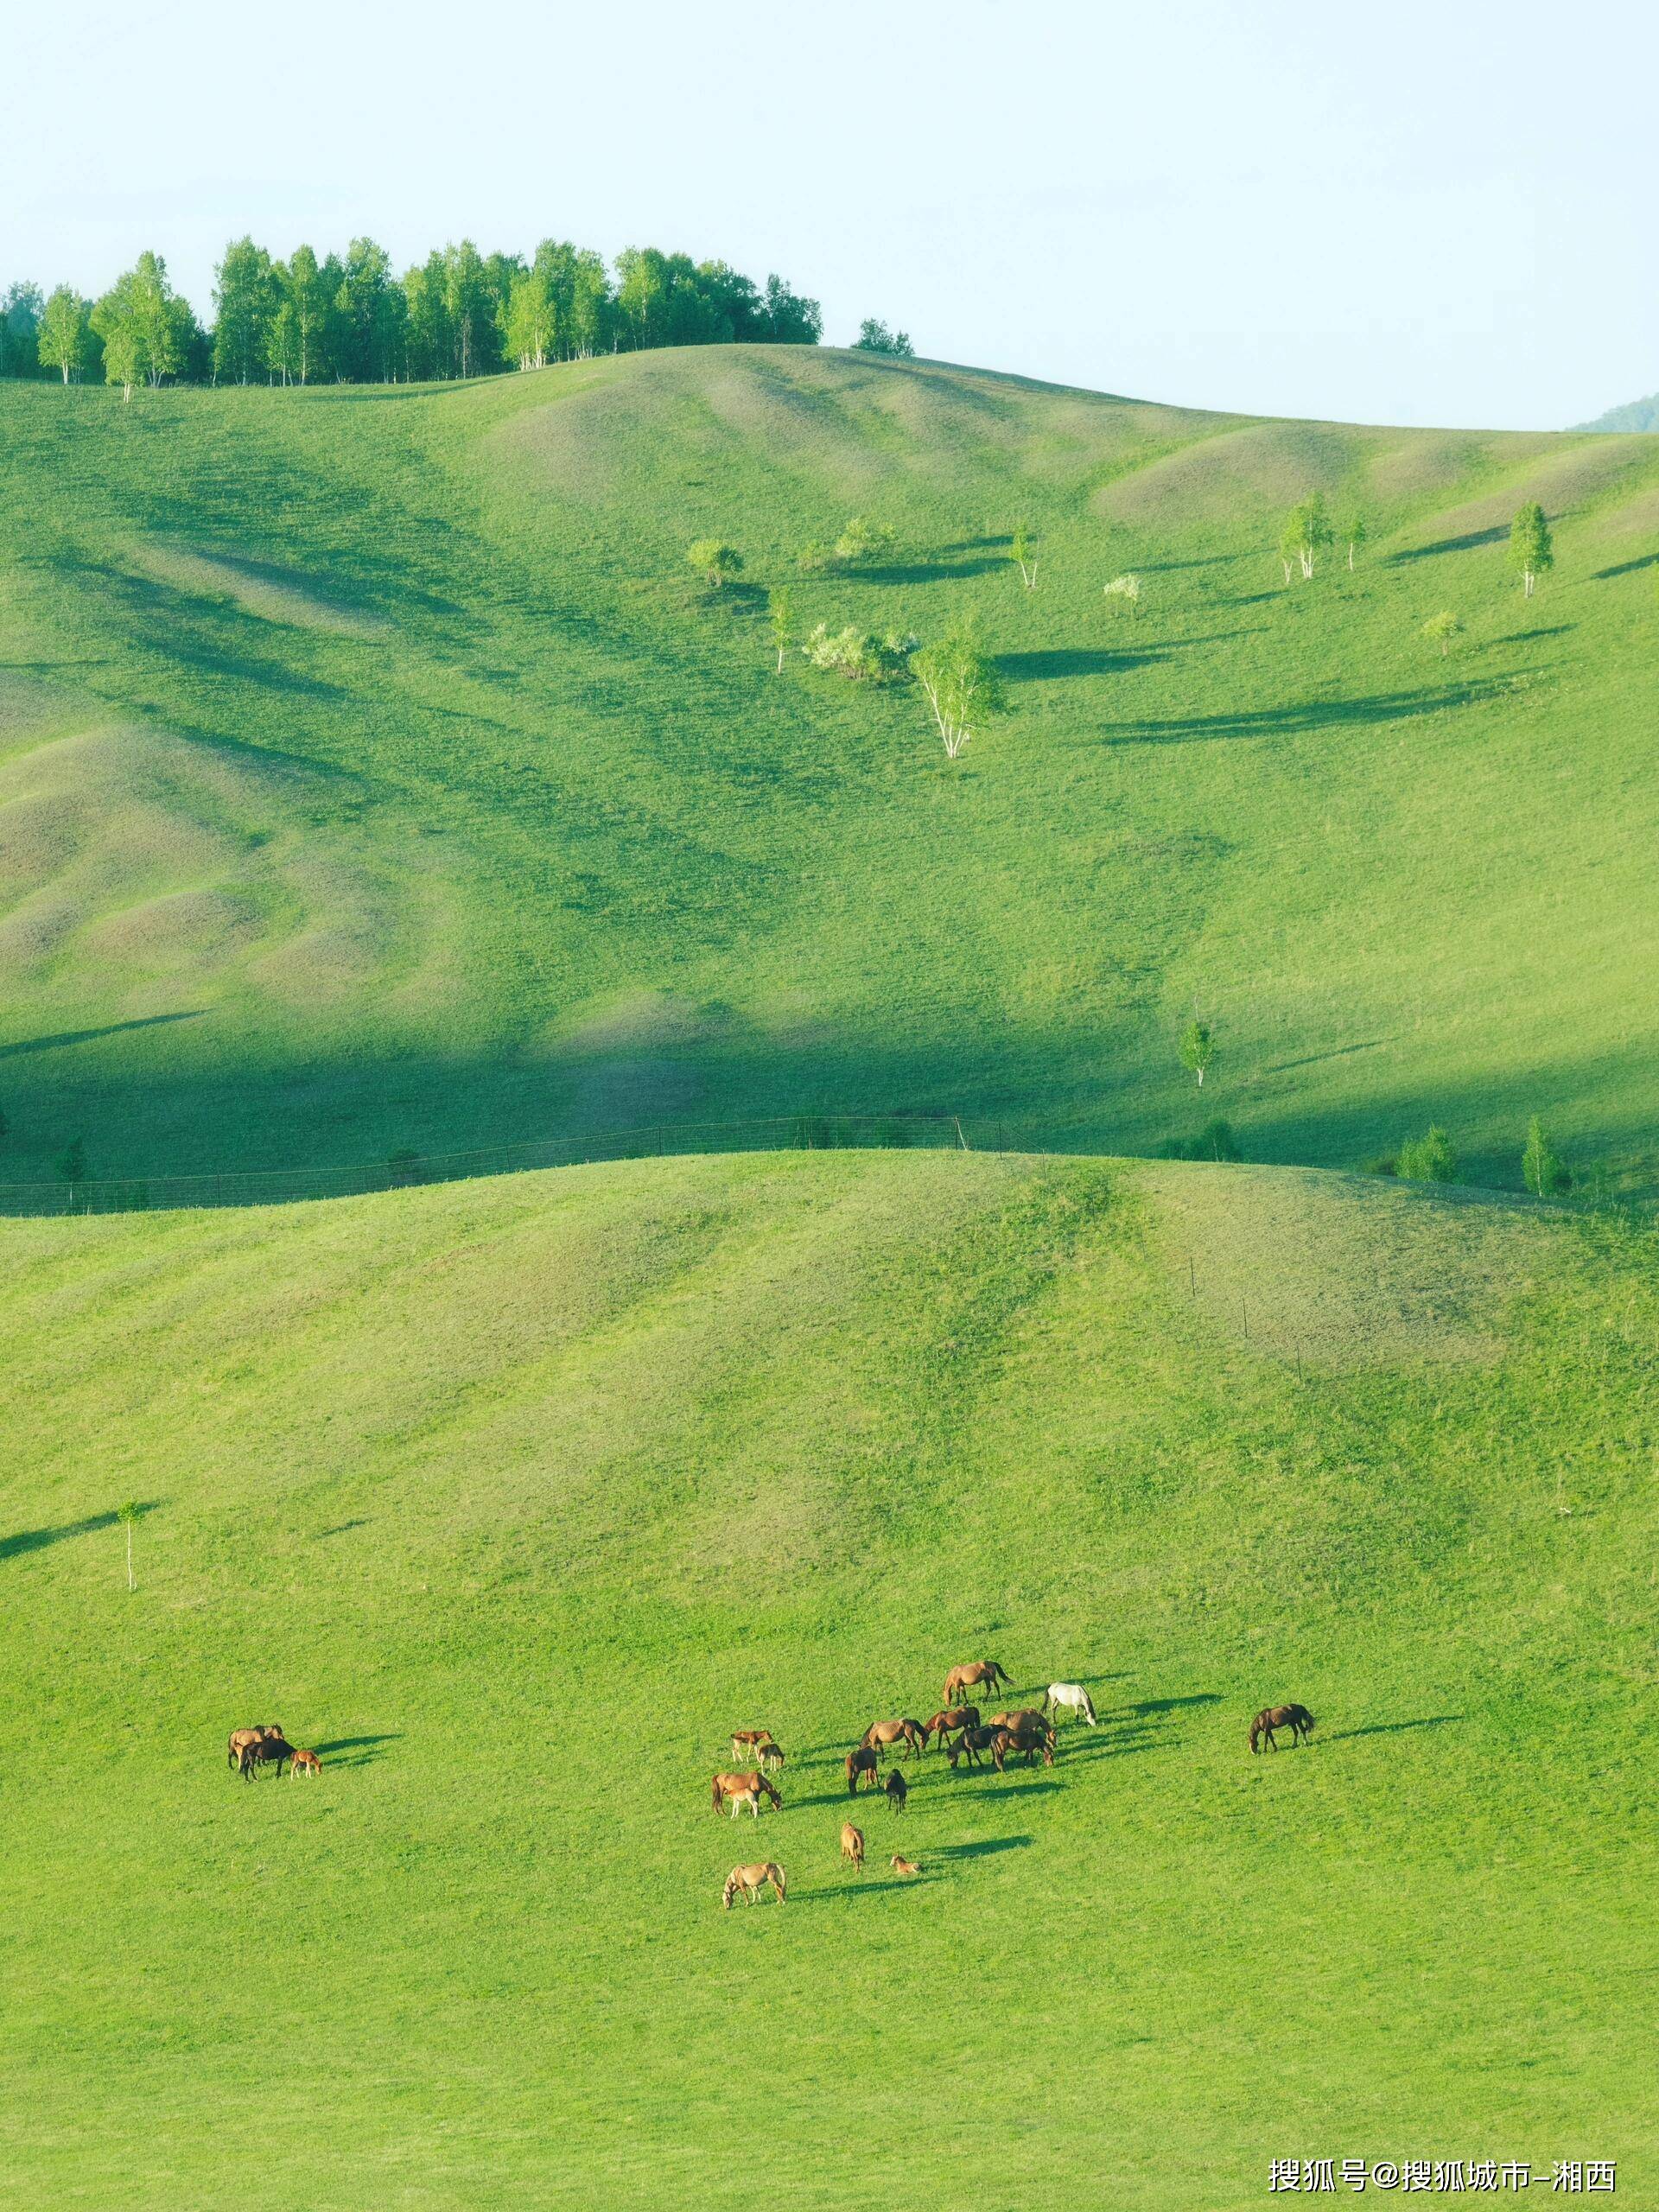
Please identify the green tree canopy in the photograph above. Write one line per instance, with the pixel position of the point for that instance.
(1532, 549)
(65, 339)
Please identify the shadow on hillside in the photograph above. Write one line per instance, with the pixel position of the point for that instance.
(1392, 1727)
(89, 1036)
(1298, 720)
(985, 1849)
(1077, 660)
(1337, 1053)
(339, 1530)
(36, 1540)
(1202, 561)
(1625, 568)
(365, 1746)
(838, 1895)
(1466, 543)
(917, 572)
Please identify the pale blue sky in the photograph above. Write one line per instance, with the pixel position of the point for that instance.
(1413, 212)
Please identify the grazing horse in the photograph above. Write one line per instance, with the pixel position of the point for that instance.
(305, 1763)
(1296, 1718)
(749, 1743)
(885, 1735)
(898, 1790)
(864, 1760)
(978, 1674)
(1025, 1718)
(771, 1757)
(1008, 1743)
(852, 1846)
(742, 1790)
(1073, 1697)
(956, 1716)
(900, 1865)
(753, 1880)
(969, 1744)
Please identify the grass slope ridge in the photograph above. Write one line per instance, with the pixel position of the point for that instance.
(375, 775)
(514, 1498)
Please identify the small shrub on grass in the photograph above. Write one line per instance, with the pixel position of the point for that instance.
(1441, 628)
(1542, 1170)
(715, 561)
(858, 656)
(865, 541)
(1429, 1159)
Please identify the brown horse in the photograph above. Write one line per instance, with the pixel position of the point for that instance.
(969, 1746)
(898, 1790)
(1025, 1718)
(887, 1735)
(956, 1716)
(864, 1760)
(900, 1865)
(976, 1675)
(771, 1757)
(1296, 1718)
(240, 1739)
(852, 1846)
(752, 1881)
(742, 1790)
(749, 1743)
(1010, 1743)
(305, 1763)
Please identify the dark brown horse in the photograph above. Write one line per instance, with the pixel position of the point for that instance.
(969, 1746)
(239, 1740)
(898, 1790)
(978, 1674)
(862, 1761)
(1296, 1718)
(268, 1749)
(954, 1717)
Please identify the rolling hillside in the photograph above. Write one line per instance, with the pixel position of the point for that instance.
(374, 775)
(514, 1498)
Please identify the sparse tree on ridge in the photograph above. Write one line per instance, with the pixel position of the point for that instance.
(874, 337)
(1442, 628)
(960, 682)
(1198, 1049)
(1354, 534)
(778, 619)
(1532, 550)
(715, 561)
(1022, 552)
(65, 338)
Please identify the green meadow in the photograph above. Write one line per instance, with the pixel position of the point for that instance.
(513, 1498)
(376, 776)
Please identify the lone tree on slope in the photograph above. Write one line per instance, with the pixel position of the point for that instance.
(1532, 550)
(716, 562)
(1306, 533)
(1442, 628)
(778, 616)
(1197, 1049)
(960, 682)
(1022, 552)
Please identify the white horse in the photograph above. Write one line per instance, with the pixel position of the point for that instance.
(1073, 1695)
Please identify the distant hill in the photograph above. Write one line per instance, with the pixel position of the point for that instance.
(376, 776)
(1635, 414)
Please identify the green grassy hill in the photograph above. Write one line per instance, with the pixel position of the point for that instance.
(374, 775)
(516, 1496)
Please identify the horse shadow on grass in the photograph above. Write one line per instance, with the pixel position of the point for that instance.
(839, 1893)
(1392, 1727)
(365, 1746)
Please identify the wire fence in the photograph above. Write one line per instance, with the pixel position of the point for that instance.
(402, 1171)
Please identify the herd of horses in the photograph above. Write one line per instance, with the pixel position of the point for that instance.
(249, 1749)
(958, 1729)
